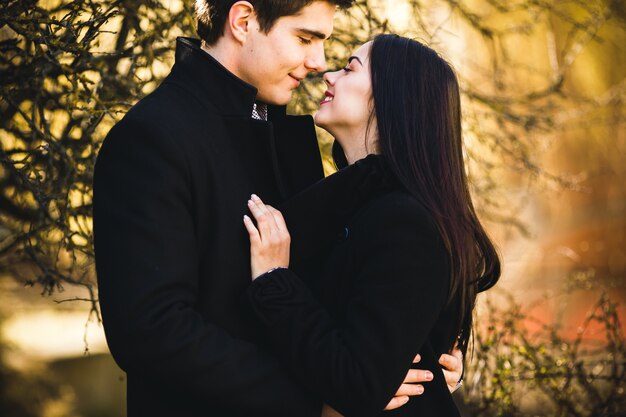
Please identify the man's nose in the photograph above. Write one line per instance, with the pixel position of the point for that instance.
(316, 61)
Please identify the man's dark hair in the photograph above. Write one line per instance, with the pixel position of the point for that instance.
(211, 15)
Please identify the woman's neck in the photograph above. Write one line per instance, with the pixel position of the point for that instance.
(353, 155)
(357, 149)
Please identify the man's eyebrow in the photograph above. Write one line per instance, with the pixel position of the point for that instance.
(355, 57)
(313, 33)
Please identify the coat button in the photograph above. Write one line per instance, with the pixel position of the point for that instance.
(343, 234)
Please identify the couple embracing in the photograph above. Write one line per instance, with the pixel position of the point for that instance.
(235, 281)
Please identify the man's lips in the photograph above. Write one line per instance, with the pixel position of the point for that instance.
(296, 79)
(328, 99)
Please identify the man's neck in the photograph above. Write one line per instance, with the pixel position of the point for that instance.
(221, 55)
(217, 51)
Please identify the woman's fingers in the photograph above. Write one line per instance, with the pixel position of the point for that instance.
(270, 221)
(269, 239)
(279, 219)
(264, 218)
(255, 238)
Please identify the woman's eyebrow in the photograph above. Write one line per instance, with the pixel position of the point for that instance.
(354, 57)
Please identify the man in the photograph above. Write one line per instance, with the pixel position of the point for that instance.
(170, 189)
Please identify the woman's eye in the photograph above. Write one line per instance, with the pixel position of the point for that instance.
(347, 69)
(305, 41)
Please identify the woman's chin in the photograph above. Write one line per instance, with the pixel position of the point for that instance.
(320, 120)
(325, 122)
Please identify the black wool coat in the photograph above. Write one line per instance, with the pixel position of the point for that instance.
(347, 319)
(172, 256)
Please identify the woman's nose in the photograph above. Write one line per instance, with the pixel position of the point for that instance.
(330, 77)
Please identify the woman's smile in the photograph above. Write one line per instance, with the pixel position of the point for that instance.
(329, 97)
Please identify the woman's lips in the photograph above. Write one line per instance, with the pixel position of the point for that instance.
(328, 99)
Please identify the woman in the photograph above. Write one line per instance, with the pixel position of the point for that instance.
(404, 274)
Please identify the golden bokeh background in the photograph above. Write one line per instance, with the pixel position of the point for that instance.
(544, 96)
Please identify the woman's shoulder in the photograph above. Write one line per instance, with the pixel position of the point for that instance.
(397, 204)
(394, 212)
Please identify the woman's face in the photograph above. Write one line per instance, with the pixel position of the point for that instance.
(346, 108)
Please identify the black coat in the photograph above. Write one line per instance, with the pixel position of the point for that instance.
(172, 256)
(349, 319)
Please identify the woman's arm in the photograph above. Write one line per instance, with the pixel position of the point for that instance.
(399, 289)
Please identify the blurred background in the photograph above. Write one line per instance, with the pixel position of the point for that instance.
(544, 96)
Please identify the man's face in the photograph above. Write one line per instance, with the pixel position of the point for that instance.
(276, 62)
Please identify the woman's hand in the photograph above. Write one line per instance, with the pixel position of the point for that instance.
(452, 368)
(269, 240)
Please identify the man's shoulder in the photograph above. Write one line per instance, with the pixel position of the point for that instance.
(170, 104)
(168, 112)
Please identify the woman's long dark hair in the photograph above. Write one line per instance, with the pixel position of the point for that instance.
(418, 112)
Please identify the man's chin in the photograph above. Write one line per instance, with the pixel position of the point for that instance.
(276, 100)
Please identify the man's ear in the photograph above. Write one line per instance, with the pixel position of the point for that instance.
(239, 17)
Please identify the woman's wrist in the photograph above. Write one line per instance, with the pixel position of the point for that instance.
(269, 271)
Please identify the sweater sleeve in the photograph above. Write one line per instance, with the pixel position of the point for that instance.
(147, 265)
(399, 288)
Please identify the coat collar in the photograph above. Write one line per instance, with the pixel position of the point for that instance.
(316, 215)
(227, 93)
(291, 140)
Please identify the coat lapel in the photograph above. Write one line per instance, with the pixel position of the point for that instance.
(253, 145)
(283, 152)
(297, 154)
(318, 214)
(282, 155)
